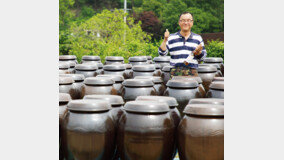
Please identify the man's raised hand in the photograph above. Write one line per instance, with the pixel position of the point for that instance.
(167, 34)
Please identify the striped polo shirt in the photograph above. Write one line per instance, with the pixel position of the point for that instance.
(181, 49)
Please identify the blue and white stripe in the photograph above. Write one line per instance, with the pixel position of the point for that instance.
(181, 50)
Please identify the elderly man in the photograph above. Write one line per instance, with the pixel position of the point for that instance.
(186, 48)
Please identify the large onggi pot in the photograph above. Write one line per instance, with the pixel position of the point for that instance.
(144, 70)
(183, 90)
(146, 131)
(207, 74)
(162, 60)
(201, 132)
(86, 59)
(115, 69)
(216, 90)
(218, 73)
(66, 86)
(117, 82)
(64, 68)
(166, 75)
(99, 64)
(87, 69)
(78, 84)
(159, 86)
(128, 71)
(133, 88)
(114, 59)
(137, 60)
(215, 60)
(90, 130)
(65, 58)
(99, 85)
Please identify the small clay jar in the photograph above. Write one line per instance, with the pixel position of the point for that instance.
(117, 82)
(201, 132)
(114, 59)
(218, 79)
(159, 86)
(128, 71)
(133, 88)
(65, 58)
(64, 68)
(143, 70)
(64, 98)
(162, 60)
(87, 69)
(207, 101)
(86, 59)
(66, 86)
(215, 60)
(216, 90)
(149, 60)
(158, 71)
(78, 84)
(183, 90)
(207, 74)
(218, 73)
(90, 130)
(166, 75)
(137, 60)
(146, 131)
(99, 64)
(117, 69)
(99, 85)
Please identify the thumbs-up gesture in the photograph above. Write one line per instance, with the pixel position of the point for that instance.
(166, 35)
(198, 50)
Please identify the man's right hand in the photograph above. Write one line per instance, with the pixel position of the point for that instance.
(166, 35)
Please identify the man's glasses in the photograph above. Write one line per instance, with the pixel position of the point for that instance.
(186, 20)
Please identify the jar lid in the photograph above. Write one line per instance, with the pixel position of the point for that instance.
(76, 77)
(89, 105)
(204, 109)
(128, 66)
(206, 69)
(149, 57)
(198, 79)
(116, 67)
(64, 65)
(146, 107)
(91, 58)
(65, 80)
(162, 59)
(98, 81)
(86, 67)
(213, 59)
(112, 99)
(211, 64)
(67, 57)
(206, 101)
(167, 68)
(157, 65)
(116, 78)
(98, 63)
(71, 63)
(218, 79)
(114, 58)
(155, 79)
(138, 83)
(64, 97)
(171, 101)
(146, 67)
(183, 83)
(217, 85)
(138, 59)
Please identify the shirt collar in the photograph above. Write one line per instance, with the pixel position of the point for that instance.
(190, 36)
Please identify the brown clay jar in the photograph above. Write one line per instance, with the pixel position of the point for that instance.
(166, 75)
(162, 60)
(86, 59)
(99, 85)
(146, 131)
(87, 69)
(137, 60)
(207, 74)
(78, 84)
(90, 130)
(133, 88)
(99, 64)
(215, 60)
(65, 58)
(144, 70)
(216, 90)
(159, 86)
(114, 69)
(64, 68)
(66, 86)
(113, 59)
(218, 73)
(117, 82)
(201, 132)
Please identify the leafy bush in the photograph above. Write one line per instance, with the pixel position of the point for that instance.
(215, 49)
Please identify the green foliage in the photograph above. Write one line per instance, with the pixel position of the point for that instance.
(215, 49)
(157, 6)
(65, 14)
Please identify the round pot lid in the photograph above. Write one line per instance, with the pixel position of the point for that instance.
(171, 101)
(206, 101)
(218, 79)
(115, 67)
(116, 78)
(157, 66)
(145, 68)
(114, 58)
(67, 57)
(86, 67)
(112, 99)
(198, 79)
(138, 83)
(146, 107)
(128, 66)
(167, 68)
(98, 63)
(210, 64)
(149, 57)
(204, 109)
(164, 59)
(138, 59)
(64, 65)
(91, 58)
(71, 63)
(64, 97)
(182, 83)
(89, 105)
(76, 77)
(155, 79)
(217, 85)
(97, 81)
(213, 59)
(206, 69)
(65, 80)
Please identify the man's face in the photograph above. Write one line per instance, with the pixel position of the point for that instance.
(185, 22)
